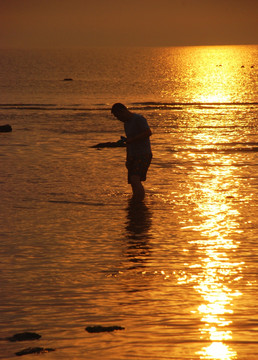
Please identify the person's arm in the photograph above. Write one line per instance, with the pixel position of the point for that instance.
(145, 134)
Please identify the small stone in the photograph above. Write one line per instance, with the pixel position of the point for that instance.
(5, 128)
(24, 337)
(35, 350)
(99, 328)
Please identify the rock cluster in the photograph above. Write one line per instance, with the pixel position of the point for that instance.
(28, 336)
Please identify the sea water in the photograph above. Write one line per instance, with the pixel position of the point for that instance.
(179, 271)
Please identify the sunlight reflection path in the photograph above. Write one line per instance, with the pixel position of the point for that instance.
(216, 269)
(214, 217)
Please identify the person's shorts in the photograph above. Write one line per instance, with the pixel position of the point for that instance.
(138, 166)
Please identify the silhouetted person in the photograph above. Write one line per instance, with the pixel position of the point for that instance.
(138, 147)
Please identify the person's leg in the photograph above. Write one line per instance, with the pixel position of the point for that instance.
(137, 187)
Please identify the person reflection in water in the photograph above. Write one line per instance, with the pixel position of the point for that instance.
(138, 147)
(137, 227)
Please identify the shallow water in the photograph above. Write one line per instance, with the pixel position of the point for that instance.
(178, 272)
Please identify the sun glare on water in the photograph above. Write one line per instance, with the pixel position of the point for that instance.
(221, 75)
(213, 271)
(212, 75)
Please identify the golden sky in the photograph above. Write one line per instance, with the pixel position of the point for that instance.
(65, 23)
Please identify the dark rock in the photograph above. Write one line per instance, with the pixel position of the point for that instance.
(35, 350)
(5, 128)
(99, 328)
(24, 337)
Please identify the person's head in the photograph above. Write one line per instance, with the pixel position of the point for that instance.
(120, 111)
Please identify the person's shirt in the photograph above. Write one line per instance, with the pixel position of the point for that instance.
(137, 125)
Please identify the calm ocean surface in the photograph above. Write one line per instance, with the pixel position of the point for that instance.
(178, 272)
